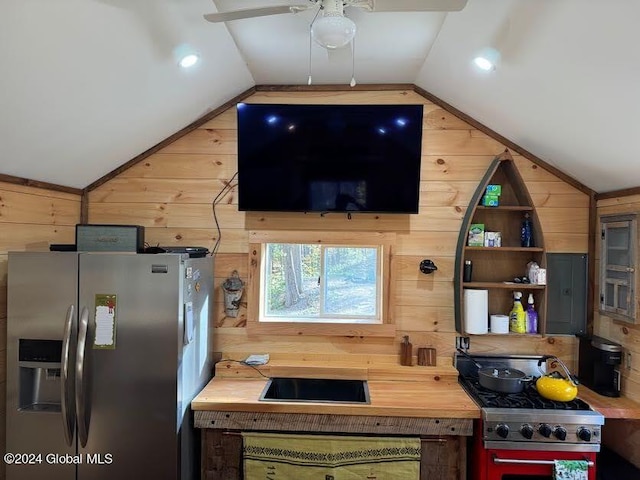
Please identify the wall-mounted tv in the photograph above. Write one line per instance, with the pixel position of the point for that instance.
(329, 158)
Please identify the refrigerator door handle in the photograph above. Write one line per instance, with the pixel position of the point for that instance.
(66, 395)
(81, 394)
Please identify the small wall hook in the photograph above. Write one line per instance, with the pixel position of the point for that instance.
(427, 266)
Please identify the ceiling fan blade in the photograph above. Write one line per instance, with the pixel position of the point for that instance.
(418, 5)
(252, 12)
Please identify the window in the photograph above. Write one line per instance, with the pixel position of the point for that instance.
(324, 284)
(618, 236)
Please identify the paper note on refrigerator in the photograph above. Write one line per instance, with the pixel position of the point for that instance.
(105, 334)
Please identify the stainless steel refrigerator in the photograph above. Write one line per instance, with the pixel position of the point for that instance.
(105, 352)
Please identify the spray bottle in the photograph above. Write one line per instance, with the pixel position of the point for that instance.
(517, 316)
(532, 316)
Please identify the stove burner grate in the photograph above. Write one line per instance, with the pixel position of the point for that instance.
(528, 398)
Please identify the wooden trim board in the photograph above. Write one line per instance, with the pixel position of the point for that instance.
(169, 140)
(310, 88)
(624, 192)
(303, 422)
(27, 182)
(505, 141)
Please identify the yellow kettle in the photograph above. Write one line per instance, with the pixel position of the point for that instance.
(554, 386)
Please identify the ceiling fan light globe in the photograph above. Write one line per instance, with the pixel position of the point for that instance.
(333, 31)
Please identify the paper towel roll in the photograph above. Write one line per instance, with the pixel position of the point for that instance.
(476, 311)
(499, 324)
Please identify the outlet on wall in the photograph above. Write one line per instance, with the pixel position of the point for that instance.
(628, 360)
(463, 342)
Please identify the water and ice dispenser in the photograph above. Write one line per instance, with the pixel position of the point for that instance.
(39, 363)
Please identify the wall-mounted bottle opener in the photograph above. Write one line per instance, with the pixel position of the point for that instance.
(427, 266)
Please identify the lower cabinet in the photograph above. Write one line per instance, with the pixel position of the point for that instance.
(442, 457)
(221, 455)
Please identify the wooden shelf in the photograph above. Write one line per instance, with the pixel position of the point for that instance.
(510, 334)
(507, 208)
(506, 249)
(493, 265)
(504, 286)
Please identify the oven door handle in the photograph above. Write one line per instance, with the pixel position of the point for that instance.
(530, 462)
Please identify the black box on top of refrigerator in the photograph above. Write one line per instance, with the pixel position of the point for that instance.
(109, 238)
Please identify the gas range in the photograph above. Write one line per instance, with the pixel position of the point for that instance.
(526, 420)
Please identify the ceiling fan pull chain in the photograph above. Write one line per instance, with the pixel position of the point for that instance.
(353, 63)
(311, 41)
(309, 81)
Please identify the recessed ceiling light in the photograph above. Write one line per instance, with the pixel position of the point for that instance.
(189, 60)
(487, 59)
(483, 63)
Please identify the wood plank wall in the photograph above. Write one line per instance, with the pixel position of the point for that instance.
(622, 435)
(170, 193)
(30, 219)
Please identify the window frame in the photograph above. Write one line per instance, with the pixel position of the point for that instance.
(257, 241)
(323, 316)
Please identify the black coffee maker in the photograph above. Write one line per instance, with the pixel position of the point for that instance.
(598, 363)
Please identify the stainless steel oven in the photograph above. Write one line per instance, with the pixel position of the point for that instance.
(506, 464)
(522, 435)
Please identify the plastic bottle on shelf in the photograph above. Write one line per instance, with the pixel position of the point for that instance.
(532, 316)
(517, 316)
(526, 232)
(467, 272)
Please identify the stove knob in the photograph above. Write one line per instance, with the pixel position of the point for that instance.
(502, 430)
(584, 434)
(545, 430)
(560, 433)
(527, 431)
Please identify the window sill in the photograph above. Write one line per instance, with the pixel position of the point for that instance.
(325, 329)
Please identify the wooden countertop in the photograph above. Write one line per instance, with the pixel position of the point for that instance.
(610, 407)
(421, 392)
(442, 399)
(388, 398)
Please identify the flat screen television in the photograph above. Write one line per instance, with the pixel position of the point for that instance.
(329, 158)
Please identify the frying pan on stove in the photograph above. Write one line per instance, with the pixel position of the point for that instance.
(500, 379)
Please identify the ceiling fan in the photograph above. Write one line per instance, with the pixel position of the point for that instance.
(333, 29)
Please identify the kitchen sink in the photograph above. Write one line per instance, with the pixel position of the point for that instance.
(316, 390)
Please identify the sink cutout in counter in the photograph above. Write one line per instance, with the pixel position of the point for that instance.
(316, 390)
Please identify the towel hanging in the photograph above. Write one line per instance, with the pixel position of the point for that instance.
(306, 457)
(570, 470)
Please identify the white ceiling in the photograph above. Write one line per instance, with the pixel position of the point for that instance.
(87, 85)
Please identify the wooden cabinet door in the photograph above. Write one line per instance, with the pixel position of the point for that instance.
(618, 258)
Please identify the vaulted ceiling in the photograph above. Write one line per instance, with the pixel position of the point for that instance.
(87, 85)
